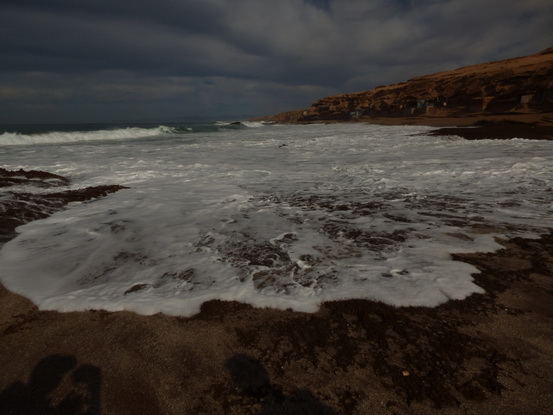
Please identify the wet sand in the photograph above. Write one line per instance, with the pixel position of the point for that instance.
(488, 354)
(535, 126)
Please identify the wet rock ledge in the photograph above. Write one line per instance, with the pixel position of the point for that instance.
(28, 195)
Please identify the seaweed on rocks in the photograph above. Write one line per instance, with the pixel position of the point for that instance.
(19, 207)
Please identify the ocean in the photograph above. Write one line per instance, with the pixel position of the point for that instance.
(283, 216)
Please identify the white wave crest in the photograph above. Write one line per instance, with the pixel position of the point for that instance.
(250, 124)
(254, 124)
(11, 139)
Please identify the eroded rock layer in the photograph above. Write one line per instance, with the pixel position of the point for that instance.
(509, 86)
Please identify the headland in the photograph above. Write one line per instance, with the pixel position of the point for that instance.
(513, 94)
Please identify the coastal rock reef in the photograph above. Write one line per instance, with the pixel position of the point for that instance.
(26, 195)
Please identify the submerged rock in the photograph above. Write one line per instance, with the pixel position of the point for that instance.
(20, 207)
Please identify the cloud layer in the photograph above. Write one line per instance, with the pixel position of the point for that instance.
(100, 60)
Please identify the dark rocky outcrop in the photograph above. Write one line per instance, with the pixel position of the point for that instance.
(19, 207)
(501, 130)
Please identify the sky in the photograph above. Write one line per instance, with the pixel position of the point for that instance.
(169, 60)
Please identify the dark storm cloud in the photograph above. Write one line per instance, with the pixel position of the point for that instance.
(321, 4)
(246, 55)
(78, 40)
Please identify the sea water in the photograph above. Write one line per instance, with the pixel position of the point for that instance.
(270, 215)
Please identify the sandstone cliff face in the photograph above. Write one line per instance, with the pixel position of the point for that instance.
(513, 85)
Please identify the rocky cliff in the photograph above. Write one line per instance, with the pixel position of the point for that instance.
(509, 86)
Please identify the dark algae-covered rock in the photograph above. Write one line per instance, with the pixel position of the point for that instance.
(21, 205)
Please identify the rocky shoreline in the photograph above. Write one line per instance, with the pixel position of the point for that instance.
(498, 131)
(511, 98)
(490, 353)
(20, 207)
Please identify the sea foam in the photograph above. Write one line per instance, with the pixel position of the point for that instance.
(284, 217)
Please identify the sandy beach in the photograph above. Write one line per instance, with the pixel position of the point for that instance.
(490, 353)
(531, 125)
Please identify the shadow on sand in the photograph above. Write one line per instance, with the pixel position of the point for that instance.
(251, 377)
(57, 386)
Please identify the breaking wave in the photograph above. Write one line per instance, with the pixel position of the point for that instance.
(77, 135)
(81, 136)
